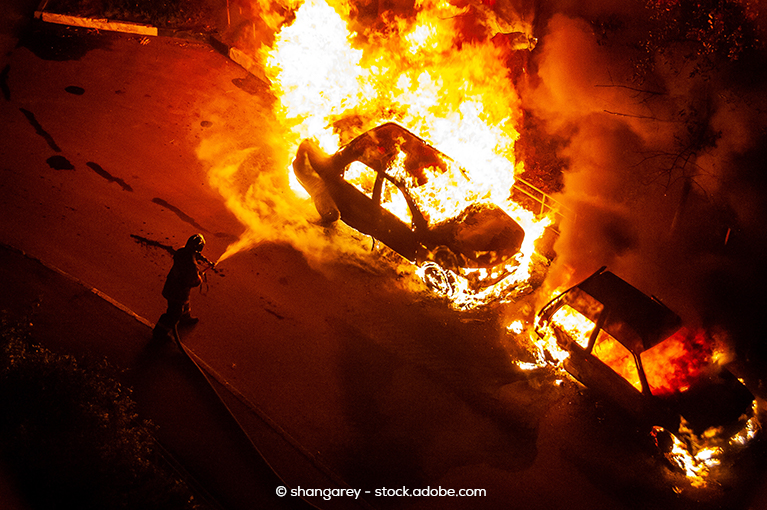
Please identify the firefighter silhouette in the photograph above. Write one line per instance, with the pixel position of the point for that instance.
(182, 278)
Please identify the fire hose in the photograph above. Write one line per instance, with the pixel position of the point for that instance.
(204, 277)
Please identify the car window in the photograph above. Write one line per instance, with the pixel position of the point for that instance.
(393, 200)
(361, 177)
(576, 325)
(616, 356)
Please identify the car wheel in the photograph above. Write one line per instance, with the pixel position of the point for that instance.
(437, 279)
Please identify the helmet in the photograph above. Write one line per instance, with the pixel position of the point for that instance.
(196, 242)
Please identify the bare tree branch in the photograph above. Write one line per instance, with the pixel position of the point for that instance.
(633, 116)
(644, 91)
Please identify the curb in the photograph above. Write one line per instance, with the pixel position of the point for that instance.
(90, 288)
(236, 55)
(198, 487)
(101, 24)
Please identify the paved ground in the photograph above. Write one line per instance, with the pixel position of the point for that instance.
(337, 369)
(197, 428)
(193, 425)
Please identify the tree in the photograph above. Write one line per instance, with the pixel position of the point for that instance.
(709, 31)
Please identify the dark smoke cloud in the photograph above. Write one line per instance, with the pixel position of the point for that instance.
(688, 229)
(687, 226)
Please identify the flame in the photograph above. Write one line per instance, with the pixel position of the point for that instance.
(698, 455)
(674, 364)
(545, 346)
(575, 324)
(456, 94)
(616, 356)
(516, 327)
(695, 462)
(671, 366)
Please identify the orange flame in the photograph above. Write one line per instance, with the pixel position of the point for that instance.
(674, 364)
(455, 94)
(699, 455)
(575, 324)
(671, 366)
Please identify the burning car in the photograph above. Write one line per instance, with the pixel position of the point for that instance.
(382, 183)
(631, 349)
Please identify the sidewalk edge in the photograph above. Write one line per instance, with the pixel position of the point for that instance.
(90, 288)
(101, 24)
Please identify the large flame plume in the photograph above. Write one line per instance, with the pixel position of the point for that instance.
(421, 72)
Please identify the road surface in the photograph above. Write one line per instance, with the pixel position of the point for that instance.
(376, 384)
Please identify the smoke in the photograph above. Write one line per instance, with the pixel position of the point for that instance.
(579, 95)
(664, 179)
(250, 168)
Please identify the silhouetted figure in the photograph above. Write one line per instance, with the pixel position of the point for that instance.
(182, 278)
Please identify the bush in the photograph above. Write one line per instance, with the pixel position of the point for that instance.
(156, 12)
(72, 435)
(161, 13)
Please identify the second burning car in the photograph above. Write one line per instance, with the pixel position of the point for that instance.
(383, 183)
(631, 349)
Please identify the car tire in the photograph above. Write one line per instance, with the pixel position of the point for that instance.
(438, 279)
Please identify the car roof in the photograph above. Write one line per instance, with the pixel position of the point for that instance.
(377, 146)
(625, 304)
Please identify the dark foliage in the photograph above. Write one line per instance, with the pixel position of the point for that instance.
(540, 153)
(71, 433)
(710, 31)
(161, 13)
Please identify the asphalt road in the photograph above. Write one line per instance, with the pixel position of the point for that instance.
(374, 383)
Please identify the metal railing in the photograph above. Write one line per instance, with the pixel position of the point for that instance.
(545, 203)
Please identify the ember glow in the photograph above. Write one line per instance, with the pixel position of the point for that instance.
(422, 73)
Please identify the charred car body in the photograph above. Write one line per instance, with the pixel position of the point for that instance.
(378, 184)
(613, 332)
